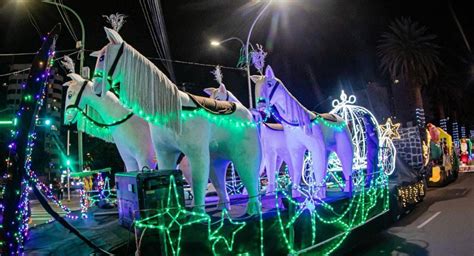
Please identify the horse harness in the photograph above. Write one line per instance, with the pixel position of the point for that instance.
(112, 71)
(84, 113)
(274, 111)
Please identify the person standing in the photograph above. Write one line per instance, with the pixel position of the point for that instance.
(56, 188)
(61, 191)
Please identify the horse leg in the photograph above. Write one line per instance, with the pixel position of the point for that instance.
(247, 167)
(345, 153)
(320, 167)
(166, 159)
(217, 175)
(271, 170)
(130, 164)
(199, 162)
(129, 161)
(186, 169)
(263, 163)
(297, 158)
(144, 161)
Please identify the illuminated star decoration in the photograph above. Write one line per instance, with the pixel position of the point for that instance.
(106, 193)
(173, 214)
(216, 236)
(390, 130)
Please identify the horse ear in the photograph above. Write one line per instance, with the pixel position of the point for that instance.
(209, 90)
(75, 77)
(95, 54)
(113, 36)
(269, 72)
(255, 78)
(222, 89)
(66, 84)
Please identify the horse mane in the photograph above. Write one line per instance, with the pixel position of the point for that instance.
(148, 91)
(295, 109)
(90, 128)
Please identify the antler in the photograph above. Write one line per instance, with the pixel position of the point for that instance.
(115, 20)
(217, 74)
(68, 63)
(258, 58)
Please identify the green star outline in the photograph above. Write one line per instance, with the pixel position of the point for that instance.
(174, 218)
(218, 238)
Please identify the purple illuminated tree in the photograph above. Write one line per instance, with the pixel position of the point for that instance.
(19, 163)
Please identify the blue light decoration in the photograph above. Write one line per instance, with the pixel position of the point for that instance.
(456, 134)
(420, 117)
(20, 175)
(463, 132)
(443, 123)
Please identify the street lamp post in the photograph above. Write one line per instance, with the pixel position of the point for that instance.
(247, 62)
(247, 51)
(217, 43)
(80, 45)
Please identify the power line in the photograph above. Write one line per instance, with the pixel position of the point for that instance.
(33, 22)
(26, 69)
(29, 53)
(150, 58)
(195, 63)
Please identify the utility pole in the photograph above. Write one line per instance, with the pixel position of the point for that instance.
(79, 45)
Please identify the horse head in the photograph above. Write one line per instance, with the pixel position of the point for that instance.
(219, 93)
(265, 89)
(106, 57)
(74, 96)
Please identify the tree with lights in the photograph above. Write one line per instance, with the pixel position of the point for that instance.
(19, 176)
(410, 56)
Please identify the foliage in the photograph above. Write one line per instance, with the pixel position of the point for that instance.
(408, 52)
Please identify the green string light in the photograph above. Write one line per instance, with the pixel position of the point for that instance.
(336, 125)
(215, 237)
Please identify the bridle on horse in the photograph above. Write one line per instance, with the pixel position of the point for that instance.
(84, 113)
(274, 111)
(112, 70)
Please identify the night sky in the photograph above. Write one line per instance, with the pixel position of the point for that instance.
(316, 47)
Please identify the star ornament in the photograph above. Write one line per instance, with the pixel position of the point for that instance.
(390, 130)
(173, 217)
(218, 234)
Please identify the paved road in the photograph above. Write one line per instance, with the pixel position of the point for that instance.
(40, 216)
(443, 224)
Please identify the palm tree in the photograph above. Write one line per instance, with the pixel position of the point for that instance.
(407, 52)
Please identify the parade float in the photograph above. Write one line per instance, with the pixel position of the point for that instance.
(440, 156)
(337, 178)
(466, 155)
(407, 184)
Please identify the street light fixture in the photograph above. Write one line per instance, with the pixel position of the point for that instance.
(218, 43)
(215, 43)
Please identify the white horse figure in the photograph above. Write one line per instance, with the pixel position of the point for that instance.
(272, 139)
(182, 122)
(132, 136)
(307, 130)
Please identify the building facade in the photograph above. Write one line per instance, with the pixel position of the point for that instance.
(49, 150)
